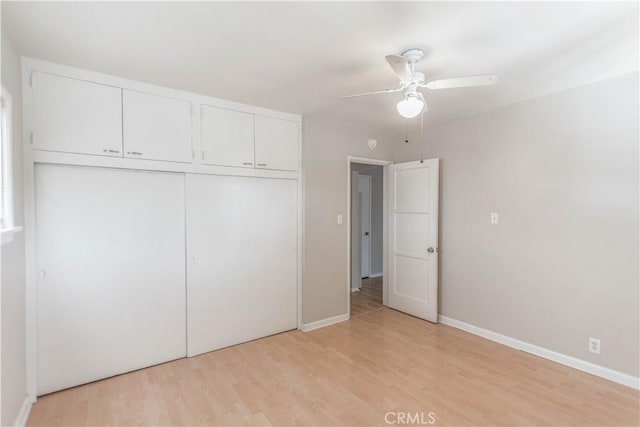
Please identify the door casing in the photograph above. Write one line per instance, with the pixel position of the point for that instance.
(366, 161)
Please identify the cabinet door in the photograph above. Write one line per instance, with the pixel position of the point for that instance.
(242, 259)
(156, 127)
(227, 137)
(277, 144)
(111, 292)
(76, 116)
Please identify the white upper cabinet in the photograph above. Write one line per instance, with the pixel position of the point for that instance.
(76, 116)
(227, 137)
(276, 143)
(156, 127)
(73, 111)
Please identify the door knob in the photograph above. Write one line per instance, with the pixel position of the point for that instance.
(431, 250)
(366, 233)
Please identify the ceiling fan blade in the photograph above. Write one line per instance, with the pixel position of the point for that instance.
(372, 93)
(484, 80)
(400, 66)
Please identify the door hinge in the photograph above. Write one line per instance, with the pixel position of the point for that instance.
(31, 79)
(202, 155)
(191, 108)
(31, 137)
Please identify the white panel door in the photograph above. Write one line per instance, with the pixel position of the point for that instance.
(76, 116)
(227, 137)
(111, 292)
(156, 127)
(241, 259)
(277, 143)
(364, 201)
(413, 238)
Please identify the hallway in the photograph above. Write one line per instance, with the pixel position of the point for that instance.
(369, 298)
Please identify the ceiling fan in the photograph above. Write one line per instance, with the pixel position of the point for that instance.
(412, 80)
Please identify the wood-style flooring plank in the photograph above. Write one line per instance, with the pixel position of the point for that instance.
(351, 373)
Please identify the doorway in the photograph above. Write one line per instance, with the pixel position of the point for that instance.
(410, 255)
(367, 237)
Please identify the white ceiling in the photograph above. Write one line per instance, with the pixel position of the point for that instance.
(299, 57)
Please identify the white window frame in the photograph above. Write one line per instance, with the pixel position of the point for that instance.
(7, 224)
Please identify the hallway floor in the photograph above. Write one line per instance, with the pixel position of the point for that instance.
(369, 297)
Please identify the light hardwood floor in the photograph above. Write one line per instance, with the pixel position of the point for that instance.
(368, 298)
(351, 373)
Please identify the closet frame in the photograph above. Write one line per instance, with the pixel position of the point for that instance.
(32, 157)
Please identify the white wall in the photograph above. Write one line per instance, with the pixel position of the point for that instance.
(326, 147)
(377, 191)
(13, 317)
(562, 264)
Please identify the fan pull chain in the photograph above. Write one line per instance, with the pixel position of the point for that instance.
(406, 137)
(422, 136)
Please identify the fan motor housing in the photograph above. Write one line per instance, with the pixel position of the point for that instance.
(413, 55)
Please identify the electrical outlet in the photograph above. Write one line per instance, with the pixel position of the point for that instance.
(494, 218)
(339, 219)
(594, 345)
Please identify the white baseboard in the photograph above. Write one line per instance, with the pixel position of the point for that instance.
(373, 276)
(306, 327)
(23, 415)
(563, 359)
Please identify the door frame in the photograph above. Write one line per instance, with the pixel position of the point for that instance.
(385, 198)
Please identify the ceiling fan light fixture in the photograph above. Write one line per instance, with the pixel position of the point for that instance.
(410, 107)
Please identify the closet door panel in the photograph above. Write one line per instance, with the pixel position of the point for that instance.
(156, 127)
(76, 116)
(111, 292)
(242, 259)
(277, 144)
(227, 137)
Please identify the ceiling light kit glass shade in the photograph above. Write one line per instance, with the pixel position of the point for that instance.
(410, 107)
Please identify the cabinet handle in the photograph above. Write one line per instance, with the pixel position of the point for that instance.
(111, 151)
(134, 152)
(262, 164)
(247, 163)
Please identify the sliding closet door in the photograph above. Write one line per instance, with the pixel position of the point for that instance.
(241, 259)
(111, 293)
